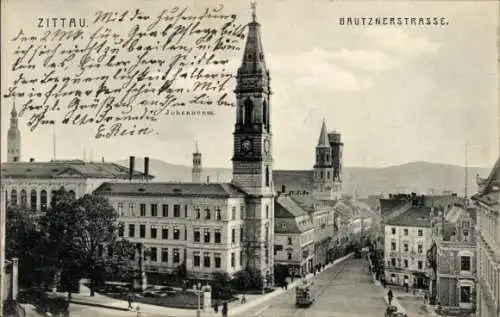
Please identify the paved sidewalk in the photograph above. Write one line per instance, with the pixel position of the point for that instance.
(395, 301)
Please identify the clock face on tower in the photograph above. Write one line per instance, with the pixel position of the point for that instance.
(246, 145)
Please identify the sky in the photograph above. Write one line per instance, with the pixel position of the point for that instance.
(397, 94)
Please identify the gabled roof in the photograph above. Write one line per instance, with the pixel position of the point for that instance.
(489, 188)
(209, 190)
(413, 217)
(292, 225)
(285, 207)
(68, 168)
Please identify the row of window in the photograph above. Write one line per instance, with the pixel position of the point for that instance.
(198, 213)
(155, 233)
(406, 247)
(405, 263)
(406, 231)
(22, 202)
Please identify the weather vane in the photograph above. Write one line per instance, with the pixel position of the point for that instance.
(253, 5)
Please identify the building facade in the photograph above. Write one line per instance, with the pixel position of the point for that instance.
(293, 237)
(407, 238)
(30, 185)
(488, 244)
(456, 258)
(199, 225)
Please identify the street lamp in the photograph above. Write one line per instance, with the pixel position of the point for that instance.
(198, 292)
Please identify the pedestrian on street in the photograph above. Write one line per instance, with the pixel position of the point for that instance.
(130, 303)
(389, 296)
(243, 299)
(138, 311)
(286, 285)
(216, 308)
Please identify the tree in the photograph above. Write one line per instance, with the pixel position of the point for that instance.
(221, 285)
(78, 230)
(26, 242)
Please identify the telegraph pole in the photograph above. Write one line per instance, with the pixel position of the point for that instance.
(3, 214)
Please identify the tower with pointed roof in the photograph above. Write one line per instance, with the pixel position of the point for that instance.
(323, 168)
(13, 138)
(252, 155)
(197, 169)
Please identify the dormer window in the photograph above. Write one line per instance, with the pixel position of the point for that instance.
(250, 56)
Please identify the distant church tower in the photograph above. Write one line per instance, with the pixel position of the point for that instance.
(197, 169)
(252, 157)
(327, 177)
(13, 138)
(323, 168)
(337, 153)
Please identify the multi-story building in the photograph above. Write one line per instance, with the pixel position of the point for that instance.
(200, 225)
(293, 237)
(214, 226)
(407, 238)
(454, 236)
(31, 185)
(488, 244)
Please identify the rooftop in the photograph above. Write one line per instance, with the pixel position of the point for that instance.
(208, 190)
(413, 217)
(296, 181)
(68, 168)
(286, 207)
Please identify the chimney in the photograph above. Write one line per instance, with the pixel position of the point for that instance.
(146, 166)
(32, 159)
(208, 179)
(102, 159)
(131, 167)
(283, 189)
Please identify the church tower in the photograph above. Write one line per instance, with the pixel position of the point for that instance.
(13, 138)
(323, 169)
(337, 149)
(252, 157)
(197, 169)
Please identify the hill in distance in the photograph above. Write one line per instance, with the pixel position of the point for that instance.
(420, 177)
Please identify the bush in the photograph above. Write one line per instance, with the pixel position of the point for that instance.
(247, 280)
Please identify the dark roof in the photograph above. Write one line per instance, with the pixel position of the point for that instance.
(442, 200)
(388, 205)
(293, 180)
(285, 207)
(68, 168)
(292, 225)
(212, 190)
(413, 217)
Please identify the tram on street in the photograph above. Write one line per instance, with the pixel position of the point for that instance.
(303, 294)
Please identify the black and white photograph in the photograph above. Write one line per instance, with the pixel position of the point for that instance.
(266, 158)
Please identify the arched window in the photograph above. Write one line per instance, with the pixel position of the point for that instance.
(328, 175)
(13, 197)
(24, 199)
(248, 112)
(264, 115)
(72, 193)
(242, 115)
(33, 199)
(321, 174)
(267, 176)
(43, 200)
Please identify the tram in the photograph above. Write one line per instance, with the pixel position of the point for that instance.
(303, 294)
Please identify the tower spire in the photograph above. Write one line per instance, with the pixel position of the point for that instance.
(323, 136)
(14, 136)
(253, 5)
(196, 150)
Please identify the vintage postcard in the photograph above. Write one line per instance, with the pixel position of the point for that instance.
(250, 158)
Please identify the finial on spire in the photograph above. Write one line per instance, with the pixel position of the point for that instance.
(13, 112)
(196, 147)
(253, 5)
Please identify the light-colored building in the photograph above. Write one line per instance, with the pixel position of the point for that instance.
(456, 257)
(488, 244)
(31, 185)
(293, 237)
(407, 238)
